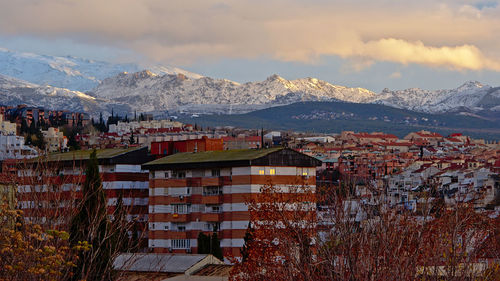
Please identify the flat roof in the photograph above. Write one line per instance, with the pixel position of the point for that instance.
(214, 156)
(85, 154)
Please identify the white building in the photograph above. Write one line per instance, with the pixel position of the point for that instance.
(13, 147)
(126, 127)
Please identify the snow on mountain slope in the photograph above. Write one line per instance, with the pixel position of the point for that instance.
(151, 92)
(14, 92)
(472, 96)
(68, 72)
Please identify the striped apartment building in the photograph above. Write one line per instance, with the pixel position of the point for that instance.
(50, 186)
(191, 193)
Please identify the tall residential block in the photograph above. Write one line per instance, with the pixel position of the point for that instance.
(191, 193)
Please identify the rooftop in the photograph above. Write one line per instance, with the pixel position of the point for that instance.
(85, 154)
(214, 156)
(172, 263)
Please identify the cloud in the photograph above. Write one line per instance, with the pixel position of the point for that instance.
(396, 50)
(452, 34)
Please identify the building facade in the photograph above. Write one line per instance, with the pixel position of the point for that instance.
(191, 193)
(55, 140)
(48, 186)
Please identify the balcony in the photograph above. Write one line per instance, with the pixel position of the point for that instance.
(211, 217)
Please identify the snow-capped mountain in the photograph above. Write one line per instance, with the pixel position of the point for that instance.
(471, 96)
(93, 86)
(152, 92)
(14, 91)
(68, 72)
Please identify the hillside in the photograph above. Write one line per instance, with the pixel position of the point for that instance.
(334, 117)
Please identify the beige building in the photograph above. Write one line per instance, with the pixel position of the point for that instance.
(55, 140)
(7, 128)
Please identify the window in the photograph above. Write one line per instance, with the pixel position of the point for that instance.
(304, 173)
(212, 190)
(261, 172)
(179, 227)
(179, 174)
(166, 175)
(215, 209)
(181, 244)
(272, 171)
(212, 226)
(181, 208)
(216, 173)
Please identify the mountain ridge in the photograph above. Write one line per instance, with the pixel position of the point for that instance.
(69, 72)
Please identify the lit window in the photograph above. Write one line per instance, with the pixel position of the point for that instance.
(304, 173)
(272, 171)
(261, 172)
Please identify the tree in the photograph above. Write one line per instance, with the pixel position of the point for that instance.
(101, 126)
(131, 139)
(38, 140)
(284, 223)
(37, 248)
(203, 243)
(216, 250)
(28, 252)
(24, 126)
(247, 246)
(209, 244)
(90, 224)
(386, 244)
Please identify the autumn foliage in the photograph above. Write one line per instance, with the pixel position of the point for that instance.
(306, 234)
(27, 252)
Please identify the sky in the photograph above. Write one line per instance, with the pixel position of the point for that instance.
(373, 44)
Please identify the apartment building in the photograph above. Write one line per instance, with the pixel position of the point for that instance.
(13, 147)
(50, 185)
(191, 193)
(55, 140)
(6, 127)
